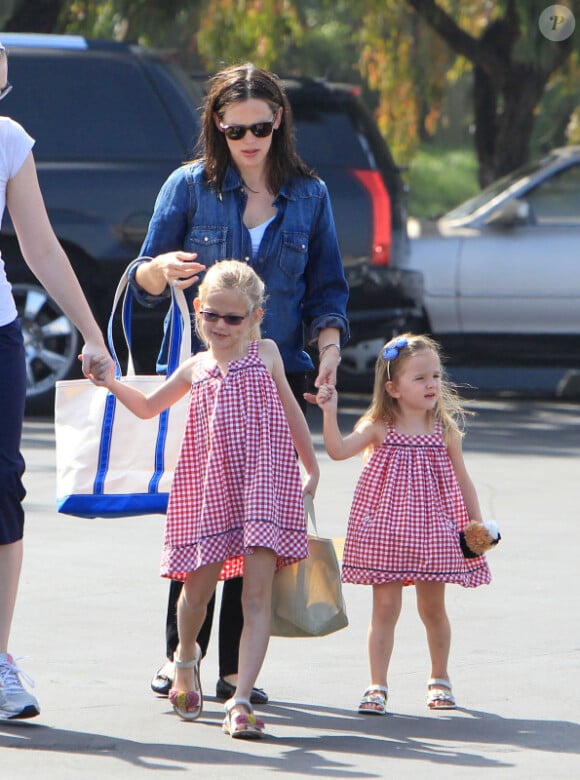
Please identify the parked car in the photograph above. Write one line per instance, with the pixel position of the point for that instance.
(501, 271)
(111, 120)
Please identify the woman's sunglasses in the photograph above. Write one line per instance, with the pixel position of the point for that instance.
(237, 132)
(229, 319)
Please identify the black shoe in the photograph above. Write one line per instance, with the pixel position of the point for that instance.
(225, 690)
(162, 682)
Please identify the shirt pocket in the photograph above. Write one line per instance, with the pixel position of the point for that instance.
(209, 243)
(294, 253)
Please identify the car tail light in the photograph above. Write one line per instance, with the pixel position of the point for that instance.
(373, 182)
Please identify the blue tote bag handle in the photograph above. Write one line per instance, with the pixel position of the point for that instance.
(179, 350)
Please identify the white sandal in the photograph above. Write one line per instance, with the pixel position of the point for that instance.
(440, 695)
(188, 704)
(375, 695)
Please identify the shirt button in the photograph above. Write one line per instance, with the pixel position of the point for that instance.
(206, 239)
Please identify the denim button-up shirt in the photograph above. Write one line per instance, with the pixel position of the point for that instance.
(298, 258)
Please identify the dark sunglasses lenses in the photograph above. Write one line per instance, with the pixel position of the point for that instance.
(237, 132)
(229, 319)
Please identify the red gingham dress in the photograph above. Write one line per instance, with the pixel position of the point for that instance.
(406, 516)
(237, 483)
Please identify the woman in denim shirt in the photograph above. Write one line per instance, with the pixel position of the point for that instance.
(249, 197)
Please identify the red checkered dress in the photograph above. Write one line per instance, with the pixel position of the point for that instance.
(237, 483)
(406, 516)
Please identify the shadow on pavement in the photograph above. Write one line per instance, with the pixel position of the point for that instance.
(434, 739)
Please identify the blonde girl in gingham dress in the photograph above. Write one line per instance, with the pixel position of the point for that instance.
(236, 503)
(412, 500)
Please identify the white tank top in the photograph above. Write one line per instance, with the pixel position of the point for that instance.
(257, 233)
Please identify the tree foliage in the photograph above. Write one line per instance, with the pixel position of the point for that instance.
(513, 65)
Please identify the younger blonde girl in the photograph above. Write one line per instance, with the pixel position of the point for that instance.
(413, 498)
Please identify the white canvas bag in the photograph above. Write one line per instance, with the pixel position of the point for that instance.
(109, 462)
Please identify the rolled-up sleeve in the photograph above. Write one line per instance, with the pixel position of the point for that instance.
(326, 296)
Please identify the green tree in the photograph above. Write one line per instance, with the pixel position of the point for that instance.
(513, 64)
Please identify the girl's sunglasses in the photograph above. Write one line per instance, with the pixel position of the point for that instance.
(237, 132)
(229, 319)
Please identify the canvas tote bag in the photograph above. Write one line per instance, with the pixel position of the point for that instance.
(110, 463)
(307, 596)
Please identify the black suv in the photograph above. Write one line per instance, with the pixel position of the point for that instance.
(112, 120)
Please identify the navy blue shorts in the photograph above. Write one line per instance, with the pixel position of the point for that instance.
(12, 399)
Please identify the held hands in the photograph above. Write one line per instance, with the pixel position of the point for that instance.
(101, 370)
(92, 354)
(326, 398)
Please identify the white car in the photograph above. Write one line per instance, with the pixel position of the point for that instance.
(502, 270)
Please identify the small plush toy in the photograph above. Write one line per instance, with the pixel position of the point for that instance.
(478, 538)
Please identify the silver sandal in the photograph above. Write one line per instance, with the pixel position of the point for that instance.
(440, 695)
(375, 695)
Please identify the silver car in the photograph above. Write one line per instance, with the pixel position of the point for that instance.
(502, 270)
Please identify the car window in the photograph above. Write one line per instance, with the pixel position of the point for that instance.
(102, 112)
(328, 138)
(556, 201)
(498, 187)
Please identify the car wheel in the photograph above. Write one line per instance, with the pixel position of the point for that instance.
(51, 343)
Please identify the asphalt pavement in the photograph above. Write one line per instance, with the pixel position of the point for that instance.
(91, 611)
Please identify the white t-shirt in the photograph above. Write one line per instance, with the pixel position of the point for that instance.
(15, 144)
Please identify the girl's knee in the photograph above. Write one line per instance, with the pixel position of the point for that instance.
(387, 601)
(431, 601)
(256, 598)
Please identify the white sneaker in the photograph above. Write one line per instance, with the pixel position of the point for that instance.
(15, 701)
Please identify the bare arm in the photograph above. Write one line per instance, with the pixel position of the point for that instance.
(142, 405)
(173, 268)
(455, 450)
(47, 259)
(329, 356)
(365, 435)
(296, 421)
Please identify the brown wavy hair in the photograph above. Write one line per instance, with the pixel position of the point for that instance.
(234, 85)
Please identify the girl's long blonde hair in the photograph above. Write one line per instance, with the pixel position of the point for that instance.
(449, 410)
(233, 275)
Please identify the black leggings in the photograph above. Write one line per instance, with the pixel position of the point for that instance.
(231, 617)
(12, 399)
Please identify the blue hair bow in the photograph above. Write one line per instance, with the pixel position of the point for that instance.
(391, 351)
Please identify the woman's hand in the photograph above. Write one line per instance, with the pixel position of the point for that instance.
(328, 365)
(176, 269)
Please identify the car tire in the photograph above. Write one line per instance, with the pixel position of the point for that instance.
(51, 344)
